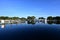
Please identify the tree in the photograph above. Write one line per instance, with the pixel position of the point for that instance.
(29, 18)
(33, 17)
(2, 17)
(50, 18)
(41, 18)
(57, 17)
(14, 18)
(23, 18)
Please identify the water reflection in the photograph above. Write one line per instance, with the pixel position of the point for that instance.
(49, 22)
(31, 22)
(2, 26)
(45, 22)
(53, 22)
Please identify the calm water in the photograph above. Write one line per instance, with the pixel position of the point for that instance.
(30, 31)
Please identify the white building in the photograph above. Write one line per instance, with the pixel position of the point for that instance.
(2, 21)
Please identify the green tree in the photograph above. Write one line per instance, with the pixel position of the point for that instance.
(24, 19)
(41, 18)
(29, 18)
(2, 17)
(33, 17)
(14, 18)
(50, 18)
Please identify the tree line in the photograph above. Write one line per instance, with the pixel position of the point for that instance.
(53, 18)
(29, 18)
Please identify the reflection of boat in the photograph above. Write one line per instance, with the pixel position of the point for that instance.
(2, 26)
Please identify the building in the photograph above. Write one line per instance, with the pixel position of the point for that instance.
(9, 21)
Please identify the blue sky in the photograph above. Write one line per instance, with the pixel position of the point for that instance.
(24, 8)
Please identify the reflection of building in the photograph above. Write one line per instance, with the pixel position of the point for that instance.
(41, 20)
(46, 21)
(2, 26)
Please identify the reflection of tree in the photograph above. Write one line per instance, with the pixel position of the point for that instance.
(49, 22)
(31, 22)
(3, 26)
(55, 20)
